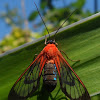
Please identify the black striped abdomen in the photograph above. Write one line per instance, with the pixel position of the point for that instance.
(50, 76)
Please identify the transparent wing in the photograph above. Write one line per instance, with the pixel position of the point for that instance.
(27, 83)
(71, 84)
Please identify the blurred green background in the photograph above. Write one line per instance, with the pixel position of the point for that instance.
(21, 23)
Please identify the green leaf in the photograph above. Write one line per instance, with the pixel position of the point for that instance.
(80, 40)
(79, 4)
(43, 4)
(33, 15)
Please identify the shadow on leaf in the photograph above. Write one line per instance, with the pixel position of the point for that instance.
(45, 95)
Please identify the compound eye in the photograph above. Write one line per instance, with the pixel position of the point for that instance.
(47, 42)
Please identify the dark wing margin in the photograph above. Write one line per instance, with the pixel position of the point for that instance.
(70, 83)
(27, 83)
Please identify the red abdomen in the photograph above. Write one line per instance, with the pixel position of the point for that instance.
(50, 77)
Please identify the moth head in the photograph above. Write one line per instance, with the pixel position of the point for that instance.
(51, 42)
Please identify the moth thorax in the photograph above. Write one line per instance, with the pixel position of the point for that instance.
(50, 77)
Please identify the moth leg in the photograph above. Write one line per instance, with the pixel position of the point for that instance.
(68, 57)
(75, 63)
(45, 40)
(35, 56)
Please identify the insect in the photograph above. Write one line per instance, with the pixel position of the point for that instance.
(50, 61)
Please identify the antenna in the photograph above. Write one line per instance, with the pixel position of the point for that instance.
(65, 21)
(42, 19)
